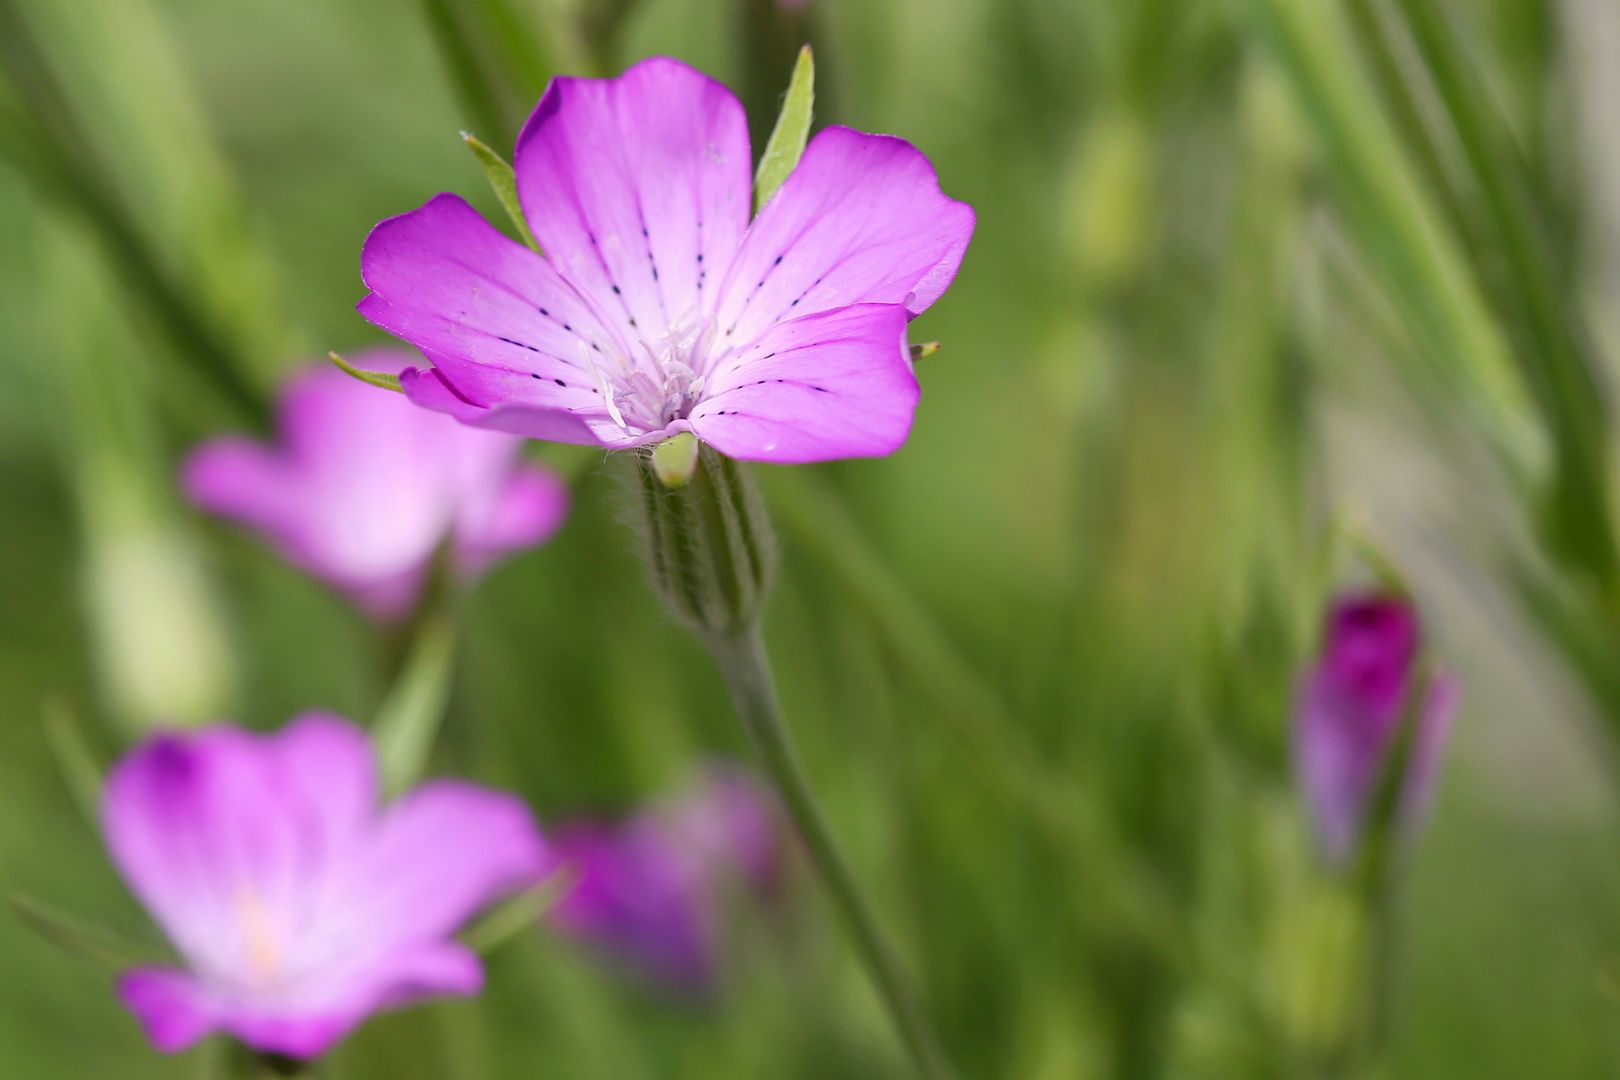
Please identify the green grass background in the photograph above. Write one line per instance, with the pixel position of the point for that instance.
(1176, 350)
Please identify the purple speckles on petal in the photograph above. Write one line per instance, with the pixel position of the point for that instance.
(638, 190)
(297, 906)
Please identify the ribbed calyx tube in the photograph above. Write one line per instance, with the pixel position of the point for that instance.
(709, 544)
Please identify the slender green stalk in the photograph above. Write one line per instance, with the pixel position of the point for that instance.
(482, 92)
(1399, 226)
(1556, 365)
(44, 136)
(983, 727)
(1394, 79)
(711, 556)
(741, 658)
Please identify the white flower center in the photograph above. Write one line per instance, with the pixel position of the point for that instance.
(659, 381)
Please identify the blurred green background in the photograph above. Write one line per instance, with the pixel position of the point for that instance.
(1242, 270)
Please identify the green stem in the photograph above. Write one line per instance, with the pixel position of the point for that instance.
(480, 88)
(982, 727)
(741, 658)
(49, 143)
(1557, 366)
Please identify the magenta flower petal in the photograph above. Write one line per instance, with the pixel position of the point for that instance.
(659, 309)
(499, 400)
(243, 480)
(363, 488)
(443, 850)
(639, 901)
(297, 908)
(526, 510)
(651, 886)
(837, 384)
(168, 1005)
(639, 190)
(444, 279)
(1348, 718)
(860, 221)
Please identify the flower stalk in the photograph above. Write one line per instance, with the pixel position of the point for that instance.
(712, 554)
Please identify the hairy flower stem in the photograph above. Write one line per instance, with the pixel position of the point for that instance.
(710, 550)
(746, 670)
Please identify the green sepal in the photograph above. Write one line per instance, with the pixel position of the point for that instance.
(520, 912)
(376, 378)
(504, 182)
(786, 145)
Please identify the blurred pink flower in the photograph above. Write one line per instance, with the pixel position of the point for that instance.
(298, 906)
(658, 308)
(363, 488)
(652, 887)
(1349, 716)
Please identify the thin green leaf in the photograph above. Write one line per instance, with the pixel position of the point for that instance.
(1373, 552)
(409, 718)
(84, 940)
(520, 912)
(479, 82)
(376, 378)
(1560, 372)
(504, 182)
(786, 144)
(1400, 229)
(47, 138)
(75, 760)
(821, 527)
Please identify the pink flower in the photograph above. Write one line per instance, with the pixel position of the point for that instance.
(1349, 716)
(364, 488)
(658, 307)
(297, 905)
(650, 890)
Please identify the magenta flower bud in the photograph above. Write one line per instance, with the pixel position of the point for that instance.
(659, 307)
(363, 488)
(297, 904)
(1349, 716)
(652, 887)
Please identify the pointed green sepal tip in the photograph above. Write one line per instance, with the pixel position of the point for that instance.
(923, 350)
(1374, 554)
(786, 144)
(675, 459)
(375, 378)
(519, 913)
(503, 181)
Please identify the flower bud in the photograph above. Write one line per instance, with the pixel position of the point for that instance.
(1365, 708)
(675, 459)
(708, 542)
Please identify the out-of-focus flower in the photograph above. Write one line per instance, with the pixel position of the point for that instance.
(658, 308)
(1350, 710)
(652, 887)
(364, 488)
(297, 905)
